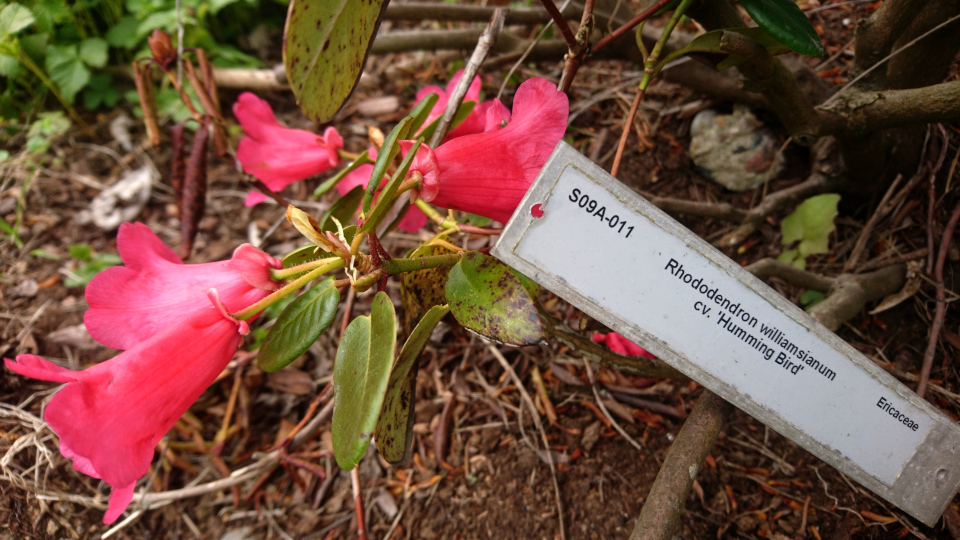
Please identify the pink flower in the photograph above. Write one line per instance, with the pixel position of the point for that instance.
(621, 345)
(278, 155)
(110, 417)
(129, 304)
(488, 173)
(413, 221)
(476, 120)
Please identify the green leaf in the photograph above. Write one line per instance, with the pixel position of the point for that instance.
(784, 21)
(67, 70)
(479, 221)
(423, 109)
(394, 432)
(707, 47)
(300, 324)
(810, 224)
(88, 270)
(80, 252)
(385, 201)
(360, 374)
(384, 159)
(423, 289)
(487, 298)
(330, 183)
(93, 51)
(325, 47)
(811, 298)
(100, 91)
(123, 35)
(9, 66)
(343, 210)
(49, 124)
(14, 18)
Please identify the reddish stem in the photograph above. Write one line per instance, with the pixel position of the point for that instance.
(941, 311)
(626, 132)
(560, 22)
(631, 24)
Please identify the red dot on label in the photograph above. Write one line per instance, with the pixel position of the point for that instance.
(536, 211)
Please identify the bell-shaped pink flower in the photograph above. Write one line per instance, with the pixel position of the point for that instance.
(621, 345)
(476, 120)
(131, 303)
(488, 173)
(277, 155)
(111, 416)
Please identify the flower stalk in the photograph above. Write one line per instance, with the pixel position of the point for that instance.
(282, 292)
(285, 273)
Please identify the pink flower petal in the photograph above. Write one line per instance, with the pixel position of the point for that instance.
(277, 155)
(621, 345)
(131, 303)
(488, 173)
(110, 417)
(254, 198)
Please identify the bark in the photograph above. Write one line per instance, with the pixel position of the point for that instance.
(662, 510)
(877, 34)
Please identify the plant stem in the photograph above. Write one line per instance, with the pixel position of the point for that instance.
(650, 70)
(631, 24)
(282, 292)
(430, 211)
(284, 273)
(560, 22)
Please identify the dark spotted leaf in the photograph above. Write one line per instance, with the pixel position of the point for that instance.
(423, 289)
(325, 45)
(300, 324)
(360, 375)
(784, 21)
(486, 297)
(394, 431)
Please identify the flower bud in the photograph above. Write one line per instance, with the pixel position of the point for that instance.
(162, 49)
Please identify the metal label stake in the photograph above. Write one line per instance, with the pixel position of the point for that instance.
(615, 256)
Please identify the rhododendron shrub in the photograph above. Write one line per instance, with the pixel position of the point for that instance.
(179, 325)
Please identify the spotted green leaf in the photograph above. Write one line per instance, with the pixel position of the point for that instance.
(394, 431)
(486, 297)
(300, 324)
(326, 43)
(360, 375)
(423, 289)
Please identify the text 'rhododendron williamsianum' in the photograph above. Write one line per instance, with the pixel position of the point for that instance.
(110, 417)
(488, 173)
(277, 155)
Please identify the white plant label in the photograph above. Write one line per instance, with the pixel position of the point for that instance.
(647, 277)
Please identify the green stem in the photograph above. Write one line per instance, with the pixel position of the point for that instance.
(430, 211)
(282, 292)
(399, 266)
(651, 69)
(284, 273)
